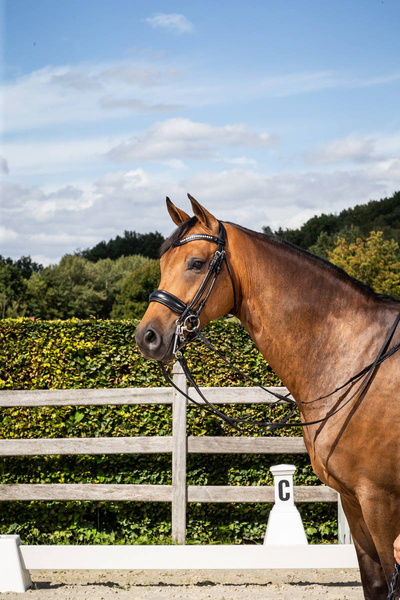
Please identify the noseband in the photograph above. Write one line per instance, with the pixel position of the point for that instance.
(188, 321)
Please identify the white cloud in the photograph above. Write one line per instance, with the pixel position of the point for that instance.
(85, 93)
(15, 195)
(32, 204)
(183, 138)
(41, 259)
(388, 144)
(132, 74)
(175, 23)
(57, 155)
(291, 84)
(7, 235)
(240, 160)
(370, 81)
(351, 148)
(69, 79)
(136, 105)
(299, 218)
(286, 200)
(88, 92)
(53, 222)
(174, 163)
(66, 200)
(122, 185)
(261, 199)
(4, 166)
(57, 239)
(387, 170)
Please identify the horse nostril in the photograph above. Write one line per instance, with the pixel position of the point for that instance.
(150, 341)
(151, 338)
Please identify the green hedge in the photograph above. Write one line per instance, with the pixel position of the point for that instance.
(91, 354)
(103, 354)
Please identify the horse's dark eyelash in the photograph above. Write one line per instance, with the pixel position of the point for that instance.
(192, 262)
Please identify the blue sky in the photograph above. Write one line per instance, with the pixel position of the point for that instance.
(267, 112)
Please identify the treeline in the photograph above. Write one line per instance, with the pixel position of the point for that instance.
(111, 280)
(14, 275)
(144, 244)
(114, 279)
(319, 234)
(77, 287)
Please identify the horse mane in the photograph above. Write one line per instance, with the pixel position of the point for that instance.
(323, 261)
(185, 227)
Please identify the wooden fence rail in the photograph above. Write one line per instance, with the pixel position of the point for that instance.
(179, 444)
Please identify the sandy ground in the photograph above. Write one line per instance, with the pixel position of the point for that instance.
(193, 585)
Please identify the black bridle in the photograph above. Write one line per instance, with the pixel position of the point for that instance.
(187, 329)
(188, 321)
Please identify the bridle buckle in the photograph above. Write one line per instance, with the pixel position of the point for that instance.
(181, 328)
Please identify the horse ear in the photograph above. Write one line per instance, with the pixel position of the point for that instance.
(177, 215)
(204, 217)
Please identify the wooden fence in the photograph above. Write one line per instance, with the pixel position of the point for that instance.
(179, 444)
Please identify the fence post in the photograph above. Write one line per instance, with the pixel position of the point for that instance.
(344, 533)
(179, 454)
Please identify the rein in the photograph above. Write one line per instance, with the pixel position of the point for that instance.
(365, 376)
(188, 323)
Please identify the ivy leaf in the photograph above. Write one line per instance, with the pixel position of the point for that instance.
(78, 417)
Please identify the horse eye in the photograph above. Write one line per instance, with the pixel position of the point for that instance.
(196, 264)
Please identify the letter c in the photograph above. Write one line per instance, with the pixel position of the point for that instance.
(281, 485)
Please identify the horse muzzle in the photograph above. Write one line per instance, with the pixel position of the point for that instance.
(153, 344)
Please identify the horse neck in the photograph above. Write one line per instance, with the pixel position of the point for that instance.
(314, 325)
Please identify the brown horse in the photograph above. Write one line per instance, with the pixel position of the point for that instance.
(317, 327)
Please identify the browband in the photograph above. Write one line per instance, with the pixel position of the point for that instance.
(200, 236)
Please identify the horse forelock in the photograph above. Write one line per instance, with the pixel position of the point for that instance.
(176, 235)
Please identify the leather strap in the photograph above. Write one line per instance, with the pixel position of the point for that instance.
(169, 300)
(199, 236)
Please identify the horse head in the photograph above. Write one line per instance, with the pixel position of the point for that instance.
(185, 269)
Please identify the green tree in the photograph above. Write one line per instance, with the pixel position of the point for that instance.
(326, 242)
(65, 290)
(27, 266)
(145, 244)
(378, 215)
(109, 275)
(13, 283)
(375, 261)
(79, 288)
(12, 289)
(133, 299)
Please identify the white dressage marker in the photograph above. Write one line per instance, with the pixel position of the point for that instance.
(14, 577)
(285, 526)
